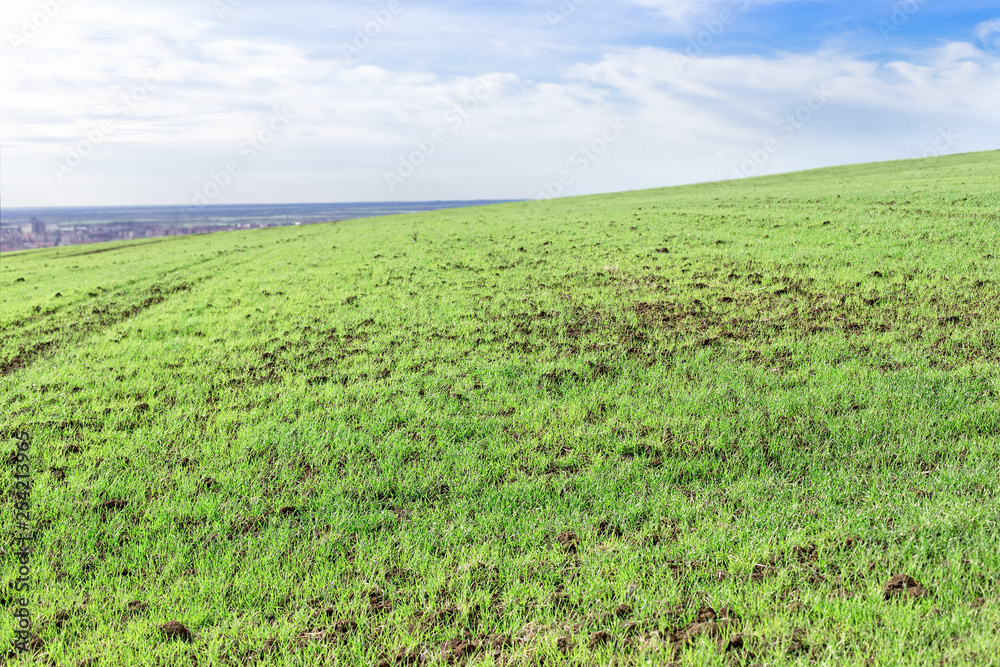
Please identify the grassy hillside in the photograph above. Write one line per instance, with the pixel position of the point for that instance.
(705, 425)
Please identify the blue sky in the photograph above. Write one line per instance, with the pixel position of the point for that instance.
(108, 102)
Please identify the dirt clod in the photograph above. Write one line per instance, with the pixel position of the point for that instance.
(344, 626)
(708, 622)
(569, 541)
(456, 650)
(115, 504)
(805, 553)
(313, 635)
(175, 630)
(378, 602)
(608, 529)
(705, 614)
(413, 656)
(600, 639)
(689, 634)
(902, 584)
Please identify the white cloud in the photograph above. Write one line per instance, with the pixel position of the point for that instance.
(682, 13)
(988, 32)
(688, 119)
(676, 10)
(730, 106)
(955, 80)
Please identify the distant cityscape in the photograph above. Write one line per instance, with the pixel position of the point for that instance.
(40, 234)
(26, 229)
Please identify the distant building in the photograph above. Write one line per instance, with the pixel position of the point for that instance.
(37, 227)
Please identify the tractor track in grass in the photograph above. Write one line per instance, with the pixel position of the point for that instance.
(124, 246)
(74, 328)
(25, 344)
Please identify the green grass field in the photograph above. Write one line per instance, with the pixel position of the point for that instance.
(701, 425)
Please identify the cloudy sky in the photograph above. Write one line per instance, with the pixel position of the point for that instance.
(114, 102)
